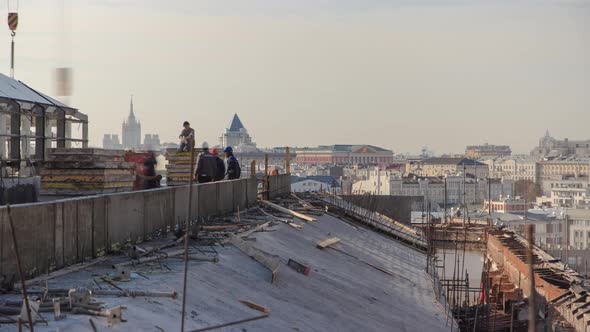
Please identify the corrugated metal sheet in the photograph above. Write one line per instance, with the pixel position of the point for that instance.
(13, 89)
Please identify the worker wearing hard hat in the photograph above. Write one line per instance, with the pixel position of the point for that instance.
(206, 166)
(220, 166)
(233, 166)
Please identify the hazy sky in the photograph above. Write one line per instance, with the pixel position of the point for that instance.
(400, 73)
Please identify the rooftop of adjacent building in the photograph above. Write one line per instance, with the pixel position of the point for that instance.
(344, 148)
(459, 161)
(327, 179)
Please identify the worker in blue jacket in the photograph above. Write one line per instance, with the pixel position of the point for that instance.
(233, 166)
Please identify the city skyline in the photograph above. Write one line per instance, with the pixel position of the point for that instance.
(393, 74)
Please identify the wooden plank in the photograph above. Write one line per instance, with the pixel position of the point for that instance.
(87, 172)
(83, 192)
(271, 262)
(255, 306)
(94, 151)
(323, 244)
(85, 185)
(83, 157)
(88, 164)
(88, 178)
(287, 211)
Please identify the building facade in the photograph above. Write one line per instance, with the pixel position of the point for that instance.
(344, 155)
(237, 137)
(151, 142)
(571, 172)
(551, 147)
(458, 188)
(487, 151)
(514, 168)
(315, 184)
(442, 166)
(111, 142)
(131, 130)
(506, 205)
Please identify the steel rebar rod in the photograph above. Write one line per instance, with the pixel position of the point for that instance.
(19, 267)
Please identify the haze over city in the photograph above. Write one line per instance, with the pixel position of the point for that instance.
(398, 74)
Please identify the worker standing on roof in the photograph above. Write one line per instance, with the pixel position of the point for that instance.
(187, 137)
(206, 166)
(150, 179)
(233, 166)
(220, 166)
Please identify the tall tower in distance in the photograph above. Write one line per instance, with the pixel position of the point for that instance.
(131, 130)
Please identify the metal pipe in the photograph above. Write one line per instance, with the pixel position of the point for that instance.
(187, 234)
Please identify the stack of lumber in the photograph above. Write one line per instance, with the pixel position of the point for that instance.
(179, 167)
(75, 172)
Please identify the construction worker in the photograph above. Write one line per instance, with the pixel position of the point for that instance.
(206, 166)
(220, 165)
(187, 137)
(233, 166)
(150, 179)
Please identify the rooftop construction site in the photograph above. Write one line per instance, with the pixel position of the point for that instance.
(317, 219)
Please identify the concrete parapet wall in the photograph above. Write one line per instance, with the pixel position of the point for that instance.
(279, 185)
(55, 234)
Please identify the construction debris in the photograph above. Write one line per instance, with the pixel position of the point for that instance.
(287, 211)
(323, 244)
(269, 261)
(301, 268)
(256, 306)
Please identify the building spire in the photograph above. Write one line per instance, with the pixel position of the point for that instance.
(131, 107)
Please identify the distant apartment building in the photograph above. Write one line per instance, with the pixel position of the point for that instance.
(111, 142)
(571, 172)
(315, 184)
(487, 151)
(151, 142)
(551, 147)
(570, 192)
(433, 188)
(506, 205)
(513, 168)
(374, 181)
(342, 154)
(442, 166)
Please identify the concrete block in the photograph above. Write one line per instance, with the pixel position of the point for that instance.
(58, 237)
(7, 262)
(34, 230)
(84, 228)
(159, 210)
(69, 231)
(225, 197)
(99, 225)
(251, 191)
(239, 194)
(125, 215)
(207, 199)
(180, 202)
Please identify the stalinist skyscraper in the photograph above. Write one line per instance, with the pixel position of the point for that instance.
(131, 130)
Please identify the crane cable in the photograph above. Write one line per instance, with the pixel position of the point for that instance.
(12, 25)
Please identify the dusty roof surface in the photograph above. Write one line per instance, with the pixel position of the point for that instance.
(340, 294)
